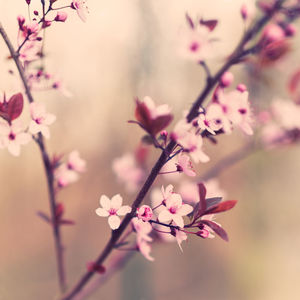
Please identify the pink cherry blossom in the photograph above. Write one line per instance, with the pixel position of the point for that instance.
(184, 165)
(65, 176)
(112, 209)
(144, 213)
(40, 119)
(174, 210)
(236, 107)
(12, 136)
(81, 9)
(127, 171)
(145, 249)
(180, 237)
(75, 162)
(196, 43)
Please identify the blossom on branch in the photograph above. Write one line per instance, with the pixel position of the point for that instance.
(112, 209)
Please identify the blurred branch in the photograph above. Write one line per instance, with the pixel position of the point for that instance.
(47, 165)
(238, 53)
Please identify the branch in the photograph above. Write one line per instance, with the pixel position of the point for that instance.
(238, 53)
(47, 166)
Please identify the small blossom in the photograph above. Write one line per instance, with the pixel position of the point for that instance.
(180, 237)
(65, 176)
(81, 9)
(145, 249)
(127, 171)
(142, 229)
(112, 209)
(144, 213)
(184, 165)
(12, 136)
(75, 162)
(174, 210)
(40, 119)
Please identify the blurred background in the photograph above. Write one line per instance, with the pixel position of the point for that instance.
(128, 49)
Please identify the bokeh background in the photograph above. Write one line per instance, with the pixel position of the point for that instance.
(128, 49)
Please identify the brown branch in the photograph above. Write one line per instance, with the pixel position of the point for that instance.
(238, 53)
(47, 166)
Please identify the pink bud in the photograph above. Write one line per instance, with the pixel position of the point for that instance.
(244, 12)
(241, 88)
(61, 16)
(28, 1)
(36, 13)
(226, 79)
(290, 30)
(144, 213)
(46, 23)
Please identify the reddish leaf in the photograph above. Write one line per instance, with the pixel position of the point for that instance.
(210, 202)
(202, 195)
(15, 106)
(142, 114)
(217, 229)
(160, 123)
(223, 206)
(210, 24)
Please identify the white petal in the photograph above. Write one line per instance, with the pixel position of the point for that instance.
(105, 202)
(174, 201)
(116, 201)
(102, 212)
(178, 220)
(114, 222)
(14, 149)
(165, 216)
(185, 209)
(122, 211)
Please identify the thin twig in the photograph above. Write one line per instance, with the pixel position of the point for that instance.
(48, 168)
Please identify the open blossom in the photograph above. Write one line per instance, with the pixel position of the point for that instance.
(143, 229)
(40, 119)
(112, 209)
(127, 171)
(144, 213)
(196, 42)
(75, 162)
(174, 210)
(236, 107)
(184, 165)
(81, 9)
(12, 136)
(65, 176)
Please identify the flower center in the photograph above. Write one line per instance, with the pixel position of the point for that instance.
(112, 211)
(12, 136)
(173, 209)
(194, 46)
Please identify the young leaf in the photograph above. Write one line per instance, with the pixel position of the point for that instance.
(221, 207)
(217, 229)
(15, 106)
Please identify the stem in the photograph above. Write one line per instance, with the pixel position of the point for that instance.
(238, 53)
(47, 166)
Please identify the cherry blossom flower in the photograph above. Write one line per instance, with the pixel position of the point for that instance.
(174, 210)
(184, 165)
(236, 107)
(196, 43)
(128, 172)
(112, 209)
(81, 9)
(144, 213)
(12, 136)
(40, 119)
(75, 162)
(180, 237)
(143, 229)
(65, 176)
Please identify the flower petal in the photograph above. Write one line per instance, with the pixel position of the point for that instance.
(105, 202)
(184, 210)
(178, 220)
(114, 222)
(116, 201)
(122, 211)
(102, 212)
(165, 216)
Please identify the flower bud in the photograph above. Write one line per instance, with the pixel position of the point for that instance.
(226, 79)
(61, 16)
(21, 21)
